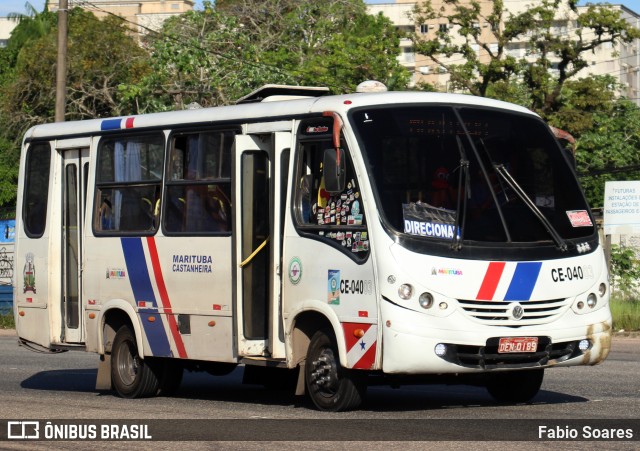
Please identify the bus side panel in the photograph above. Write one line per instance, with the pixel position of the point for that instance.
(32, 300)
(321, 275)
(36, 287)
(182, 281)
(193, 276)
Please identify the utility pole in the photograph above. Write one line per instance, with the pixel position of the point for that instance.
(61, 72)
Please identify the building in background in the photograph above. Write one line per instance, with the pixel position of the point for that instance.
(142, 15)
(6, 27)
(621, 61)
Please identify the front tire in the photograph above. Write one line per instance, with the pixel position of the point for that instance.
(331, 387)
(132, 376)
(515, 386)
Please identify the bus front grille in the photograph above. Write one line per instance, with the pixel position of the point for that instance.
(488, 357)
(495, 313)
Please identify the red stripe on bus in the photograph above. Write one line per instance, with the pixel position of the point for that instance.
(490, 282)
(164, 297)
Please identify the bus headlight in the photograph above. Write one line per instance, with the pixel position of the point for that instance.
(592, 300)
(426, 300)
(405, 291)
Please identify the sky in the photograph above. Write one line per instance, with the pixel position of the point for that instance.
(18, 6)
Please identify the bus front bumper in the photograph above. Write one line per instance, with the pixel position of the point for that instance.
(414, 343)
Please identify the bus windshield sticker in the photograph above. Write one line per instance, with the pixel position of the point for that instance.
(579, 218)
(422, 219)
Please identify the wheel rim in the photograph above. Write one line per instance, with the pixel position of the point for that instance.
(324, 376)
(128, 363)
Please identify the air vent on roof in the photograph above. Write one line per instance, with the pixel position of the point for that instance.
(283, 92)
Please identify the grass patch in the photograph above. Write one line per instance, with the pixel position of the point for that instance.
(7, 321)
(626, 314)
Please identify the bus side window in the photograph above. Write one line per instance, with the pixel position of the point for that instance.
(198, 194)
(128, 184)
(36, 189)
(335, 217)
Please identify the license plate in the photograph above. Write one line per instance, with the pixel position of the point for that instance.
(518, 344)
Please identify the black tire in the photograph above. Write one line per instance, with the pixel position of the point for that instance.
(331, 387)
(515, 386)
(170, 376)
(132, 376)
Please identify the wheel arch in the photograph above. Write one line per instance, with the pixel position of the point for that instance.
(116, 314)
(305, 323)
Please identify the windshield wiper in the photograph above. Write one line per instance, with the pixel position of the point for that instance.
(461, 200)
(502, 171)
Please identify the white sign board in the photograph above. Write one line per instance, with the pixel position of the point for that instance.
(622, 208)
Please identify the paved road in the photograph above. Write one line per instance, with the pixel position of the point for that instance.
(57, 387)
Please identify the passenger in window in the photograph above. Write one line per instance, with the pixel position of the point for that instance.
(218, 207)
(106, 210)
(305, 197)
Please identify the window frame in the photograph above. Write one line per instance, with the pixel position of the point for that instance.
(312, 230)
(125, 185)
(28, 185)
(170, 183)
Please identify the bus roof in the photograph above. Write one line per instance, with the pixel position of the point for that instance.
(252, 112)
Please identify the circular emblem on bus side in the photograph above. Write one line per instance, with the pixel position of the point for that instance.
(516, 311)
(295, 270)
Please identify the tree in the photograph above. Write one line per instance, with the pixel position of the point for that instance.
(609, 150)
(625, 271)
(101, 56)
(220, 54)
(200, 56)
(30, 27)
(479, 63)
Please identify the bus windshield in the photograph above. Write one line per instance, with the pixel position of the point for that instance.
(468, 174)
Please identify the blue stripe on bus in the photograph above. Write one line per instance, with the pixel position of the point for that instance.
(138, 274)
(523, 281)
(111, 124)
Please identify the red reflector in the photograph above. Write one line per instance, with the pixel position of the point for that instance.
(29, 299)
(217, 307)
(363, 314)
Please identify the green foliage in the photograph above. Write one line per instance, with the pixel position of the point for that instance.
(625, 313)
(498, 74)
(7, 321)
(217, 55)
(27, 81)
(9, 159)
(203, 57)
(94, 73)
(583, 100)
(625, 270)
(610, 144)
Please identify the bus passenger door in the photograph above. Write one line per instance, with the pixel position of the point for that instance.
(74, 186)
(253, 242)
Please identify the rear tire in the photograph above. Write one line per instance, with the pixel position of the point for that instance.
(515, 386)
(132, 376)
(331, 387)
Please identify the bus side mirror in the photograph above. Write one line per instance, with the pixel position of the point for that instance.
(334, 170)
